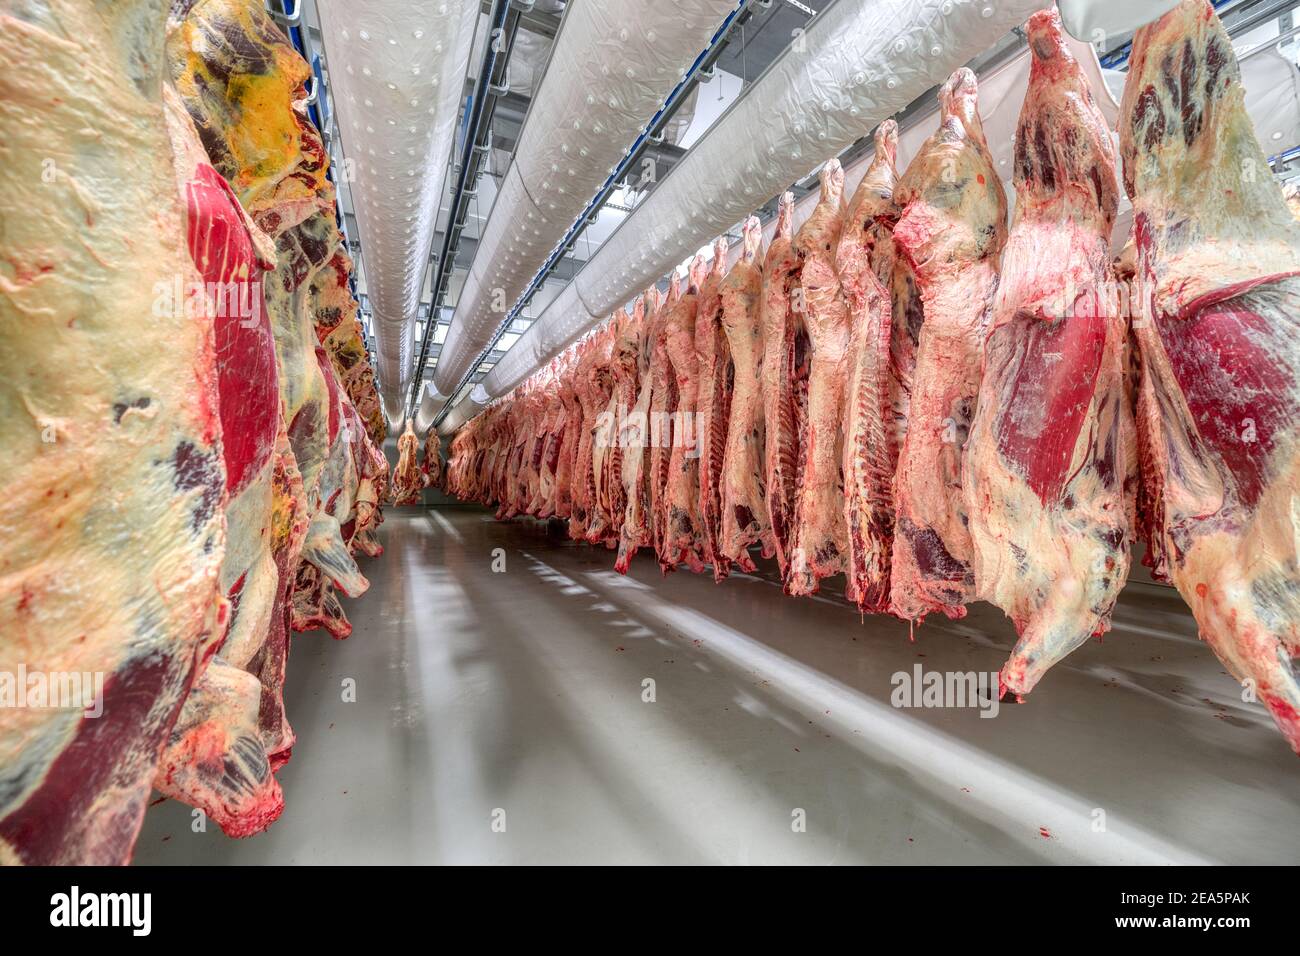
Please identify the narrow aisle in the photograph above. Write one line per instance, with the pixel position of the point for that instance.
(520, 698)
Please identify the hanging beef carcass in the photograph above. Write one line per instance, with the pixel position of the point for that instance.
(111, 527)
(635, 431)
(875, 401)
(663, 399)
(606, 457)
(592, 385)
(744, 520)
(330, 564)
(626, 368)
(567, 453)
(821, 539)
(951, 233)
(716, 377)
(1219, 275)
(335, 314)
(1048, 464)
(785, 381)
(217, 757)
(556, 428)
(244, 86)
(431, 463)
(680, 506)
(407, 482)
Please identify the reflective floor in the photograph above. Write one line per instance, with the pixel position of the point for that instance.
(555, 712)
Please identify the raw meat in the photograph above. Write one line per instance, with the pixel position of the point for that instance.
(1047, 469)
(634, 436)
(951, 233)
(874, 404)
(607, 468)
(1219, 275)
(680, 507)
(407, 481)
(821, 538)
(663, 400)
(431, 463)
(216, 758)
(335, 313)
(245, 88)
(111, 526)
(716, 374)
(784, 378)
(741, 492)
(593, 387)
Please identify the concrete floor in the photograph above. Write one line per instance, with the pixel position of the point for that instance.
(486, 698)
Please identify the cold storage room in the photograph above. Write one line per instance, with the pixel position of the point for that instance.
(709, 432)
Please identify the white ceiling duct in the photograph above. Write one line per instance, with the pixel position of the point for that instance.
(616, 62)
(857, 64)
(430, 405)
(1093, 20)
(396, 71)
(466, 409)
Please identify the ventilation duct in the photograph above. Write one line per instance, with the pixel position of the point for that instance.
(466, 409)
(430, 404)
(397, 72)
(857, 64)
(616, 61)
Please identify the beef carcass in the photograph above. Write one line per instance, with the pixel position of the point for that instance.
(334, 312)
(217, 757)
(634, 434)
(593, 387)
(1219, 276)
(744, 519)
(567, 452)
(951, 233)
(407, 484)
(1047, 465)
(875, 403)
(111, 527)
(431, 463)
(328, 563)
(785, 380)
(663, 399)
(629, 348)
(244, 86)
(713, 354)
(606, 459)
(821, 538)
(680, 508)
